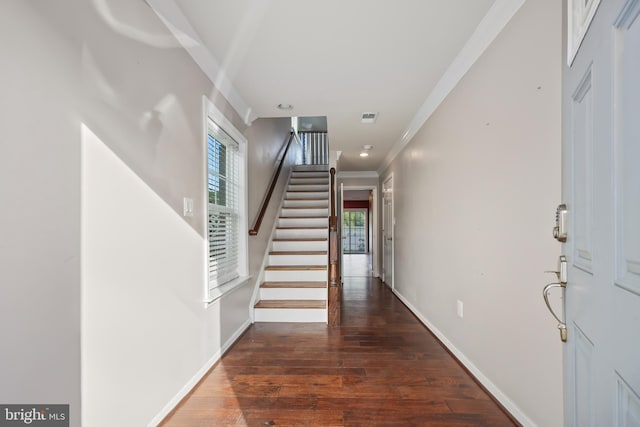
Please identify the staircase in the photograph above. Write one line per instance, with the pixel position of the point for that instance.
(295, 286)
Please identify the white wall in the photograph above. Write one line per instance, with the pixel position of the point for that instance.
(475, 194)
(268, 136)
(102, 138)
(40, 215)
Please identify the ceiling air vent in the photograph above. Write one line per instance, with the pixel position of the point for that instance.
(369, 117)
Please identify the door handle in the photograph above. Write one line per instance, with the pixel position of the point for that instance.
(545, 294)
(561, 274)
(562, 326)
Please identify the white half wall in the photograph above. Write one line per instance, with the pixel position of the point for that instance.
(475, 193)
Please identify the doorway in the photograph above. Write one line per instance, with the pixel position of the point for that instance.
(359, 233)
(387, 231)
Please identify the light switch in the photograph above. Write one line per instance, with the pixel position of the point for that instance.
(187, 206)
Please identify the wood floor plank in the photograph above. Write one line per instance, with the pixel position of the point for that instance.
(381, 367)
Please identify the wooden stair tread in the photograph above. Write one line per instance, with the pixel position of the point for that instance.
(307, 285)
(303, 217)
(298, 253)
(310, 239)
(287, 303)
(305, 207)
(303, 200)
(295, 267)
(302, 228)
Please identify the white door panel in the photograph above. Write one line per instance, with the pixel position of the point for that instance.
(601, 187)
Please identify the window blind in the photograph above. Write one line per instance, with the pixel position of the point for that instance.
(223, 165)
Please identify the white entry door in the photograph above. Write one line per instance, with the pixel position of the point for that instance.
(387, 232)
(601, 187)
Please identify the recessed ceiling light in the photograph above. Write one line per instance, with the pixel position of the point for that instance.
(367, 147)
(364, 154)
(285, 107)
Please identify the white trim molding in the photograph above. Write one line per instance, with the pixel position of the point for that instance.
(175, 20)
(477, 373)
(491, 25)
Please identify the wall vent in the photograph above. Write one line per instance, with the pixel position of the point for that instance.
(369, 117)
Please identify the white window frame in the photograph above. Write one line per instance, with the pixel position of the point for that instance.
(213, 291)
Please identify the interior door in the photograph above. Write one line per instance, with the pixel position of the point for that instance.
(387, 232)
(601, 187)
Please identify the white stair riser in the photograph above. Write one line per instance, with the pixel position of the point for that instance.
(316, 195)
(301, 213)
(323, 168)
(290, 315)
(306, 203)
(295, 275)
(301, 233)
(293, 293)
(299, 246)
(314, 181)
(298, 259)
(310, 174)
(306, 187)
(303, 222)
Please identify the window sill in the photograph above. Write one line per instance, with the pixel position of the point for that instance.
(216, 293)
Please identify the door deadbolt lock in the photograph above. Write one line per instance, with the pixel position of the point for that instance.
(560, 230)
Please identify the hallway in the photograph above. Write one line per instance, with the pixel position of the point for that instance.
(381, 367)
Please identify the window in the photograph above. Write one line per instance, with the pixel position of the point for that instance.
(354, 229)
(226, 207)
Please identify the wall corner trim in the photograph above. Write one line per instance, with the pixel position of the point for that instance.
(184, 391)
(172, 16)
(487, 30)
(486, 382)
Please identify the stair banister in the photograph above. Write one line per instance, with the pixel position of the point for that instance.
(334, 259)
(272, 186)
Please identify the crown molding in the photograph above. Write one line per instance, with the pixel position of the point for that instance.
(488, 29)
(175, 20)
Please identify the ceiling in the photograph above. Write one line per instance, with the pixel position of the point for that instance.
(336, 58)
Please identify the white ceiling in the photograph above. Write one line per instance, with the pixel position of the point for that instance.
(337, 58)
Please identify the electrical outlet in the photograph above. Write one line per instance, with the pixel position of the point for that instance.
(460, 309)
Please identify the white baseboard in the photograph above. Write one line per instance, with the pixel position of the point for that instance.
(488, 384)
(198, 376)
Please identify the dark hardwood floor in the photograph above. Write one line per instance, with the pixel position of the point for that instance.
(380, 368)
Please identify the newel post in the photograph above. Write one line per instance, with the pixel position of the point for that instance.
(334, 259)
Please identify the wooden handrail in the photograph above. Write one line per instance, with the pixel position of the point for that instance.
(334, 259)
(272, 186)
